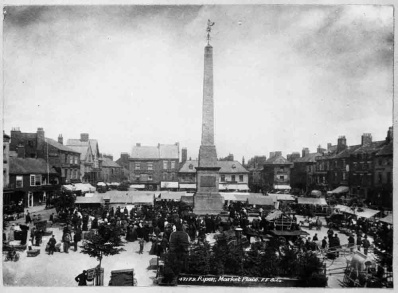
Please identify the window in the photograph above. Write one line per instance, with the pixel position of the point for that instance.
(76, 160)
(173, 164)
(150, 166)
(172, 176)
(344, 176)
(164, 176)
(165, 165)
(149, 177)
(232, 177)
(282, 169)
(70, 159)
(35, 180)
(190, 166)
(222, 178)
(282, 177)
(19, 181)
(137, 166)
(240, 178)
(66, 158)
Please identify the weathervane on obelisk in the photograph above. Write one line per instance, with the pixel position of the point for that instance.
(209, 25)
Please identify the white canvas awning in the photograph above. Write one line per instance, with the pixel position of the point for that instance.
(166, 184)
(316, 193)
(387, 219)
(314, 201)
(261, 201)
(366, 213)
(171, 195)
(101, 184)
(238, 187)
(282, 187)
(85, 187)
(88, 200)
(340, 189)
(282, 197)
(138, 186)
(69, 187)
(187, 186)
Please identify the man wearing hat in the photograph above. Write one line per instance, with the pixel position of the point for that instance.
(366, 245)
(82, 279)
(351, 243)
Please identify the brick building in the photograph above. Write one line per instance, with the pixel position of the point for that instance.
(111, 171)
(154, 167)
(124, 160)
(276, 172)
(233, 176)
(300, 172)
(63, 159)
(32, 181)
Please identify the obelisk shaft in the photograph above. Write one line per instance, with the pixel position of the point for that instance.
(208, 100)
(207, 151)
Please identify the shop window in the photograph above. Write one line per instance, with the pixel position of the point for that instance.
(19, 181)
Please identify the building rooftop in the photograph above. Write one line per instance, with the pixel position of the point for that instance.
(277, 160)
(309, 158)
(108, 163)
(386, 150)
(162, 151)
(60, 146)
(29, 166)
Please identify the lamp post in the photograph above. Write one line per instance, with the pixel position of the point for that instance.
(238, 234)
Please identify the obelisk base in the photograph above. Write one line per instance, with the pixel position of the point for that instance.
(208, 203)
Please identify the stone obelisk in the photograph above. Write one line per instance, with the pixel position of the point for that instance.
(207, 199)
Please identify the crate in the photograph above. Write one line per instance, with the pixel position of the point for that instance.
(33, 252)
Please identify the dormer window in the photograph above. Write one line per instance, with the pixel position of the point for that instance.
(190, 166)
(233, 166)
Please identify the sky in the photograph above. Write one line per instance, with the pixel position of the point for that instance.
(285, 77)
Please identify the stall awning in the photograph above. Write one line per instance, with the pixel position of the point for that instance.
(314, 201)
(235, 196)
(88, 200)
(316, 193)
(387, 219)
(276, 186)
(188, 199)
(138, 186)
(366, 213)
(261, 201)
(85, 187)
(171, 195)
(344, 209)
(282, 197)
(187, 186)
(101, 184)
(238, 187)
(69, 187)
(165, 184)
(340, 189)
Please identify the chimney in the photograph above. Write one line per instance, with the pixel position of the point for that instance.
(329, 146)
(341, 143)
(390, 135)
(271, 154)
(243, 161)
(366, 139)
(278, 153)
(84, 137)
(21, 151)
(60, 139)
(40, 139)
(184, 155)
(319, 150)
(138, 144)
(305, 152)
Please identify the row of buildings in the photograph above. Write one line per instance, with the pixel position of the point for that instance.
(363, 170)
(35, 167)
(41, 165)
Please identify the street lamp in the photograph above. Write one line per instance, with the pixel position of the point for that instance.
(238, 234)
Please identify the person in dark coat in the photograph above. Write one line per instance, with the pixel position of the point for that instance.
(351, 242)
(315, 238)
(28, 219)
(359, 242)
(82, 279)
(85, 222)
(76, 238)
(366, 245)
(94, 223)
(324, 243)
(51, 245)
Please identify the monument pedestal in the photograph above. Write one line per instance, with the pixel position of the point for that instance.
(207, 199)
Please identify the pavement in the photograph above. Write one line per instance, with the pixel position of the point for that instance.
(61, 269)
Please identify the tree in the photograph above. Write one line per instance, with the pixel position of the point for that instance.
(104, 243)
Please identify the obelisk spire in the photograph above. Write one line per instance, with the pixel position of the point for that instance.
(207, 152)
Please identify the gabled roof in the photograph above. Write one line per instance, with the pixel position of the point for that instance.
(77, 142)
(226, 167)
(346, 153)
(386, 150)
(162, 151)
(108, 163)
(60, 146)
(277, 160)
(29, 166)
(83, 150)
(309, 158)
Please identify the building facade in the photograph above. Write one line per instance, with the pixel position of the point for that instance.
(233, 176)
(300, 177)
(63, 159)
(32, 181)
(155, 167)
(276, 172)
(6, 158)
(90, 158)
(111, 171)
